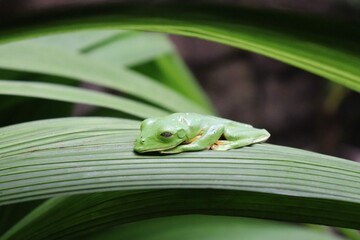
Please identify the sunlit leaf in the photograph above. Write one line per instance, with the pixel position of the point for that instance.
(78, 95)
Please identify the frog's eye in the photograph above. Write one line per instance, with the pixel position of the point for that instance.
(166, 134)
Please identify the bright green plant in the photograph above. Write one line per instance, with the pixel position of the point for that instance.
(78, 176)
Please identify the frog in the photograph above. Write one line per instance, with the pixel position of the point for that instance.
(182, 132)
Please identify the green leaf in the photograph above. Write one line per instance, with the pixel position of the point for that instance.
(212, 228)
(77, 216)
(180, 227)
(350, 234)
(120, 48)
(78, 95)
(170, 70)
(53, 61)
(326, 47)
(76, 40)
(133, 49)
(155, 53)
(136, 49)
(85, 155)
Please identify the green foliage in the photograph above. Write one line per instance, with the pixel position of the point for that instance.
(325, 47)
(47, 60)
(84, 169)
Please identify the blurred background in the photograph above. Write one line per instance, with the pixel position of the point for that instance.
(299, 109)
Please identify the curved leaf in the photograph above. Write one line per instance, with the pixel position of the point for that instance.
(135, 49)
(81, 155)
(77, 41)
(328, 48)
(53, 61)
(78, 95)
(212, 228)
(76, 216)
(131, 48)
(97, 214)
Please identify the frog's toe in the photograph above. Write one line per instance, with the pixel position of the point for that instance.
(220, 145)
(220, 148)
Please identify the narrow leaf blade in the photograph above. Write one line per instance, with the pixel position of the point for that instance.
(78, 95)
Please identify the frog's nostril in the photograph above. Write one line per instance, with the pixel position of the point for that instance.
(142, 140)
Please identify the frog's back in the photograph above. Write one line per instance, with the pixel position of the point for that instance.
(208, 119)
(212, 120)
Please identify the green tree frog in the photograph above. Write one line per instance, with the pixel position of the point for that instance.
(181, 132)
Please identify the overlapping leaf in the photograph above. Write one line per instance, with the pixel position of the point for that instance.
(53, 61)
(328, 48)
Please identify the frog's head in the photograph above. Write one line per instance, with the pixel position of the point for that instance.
(159, 134)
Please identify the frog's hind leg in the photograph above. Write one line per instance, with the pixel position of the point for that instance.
(236, 138)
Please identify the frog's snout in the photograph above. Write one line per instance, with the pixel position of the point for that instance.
(140, 141)
(140, 144)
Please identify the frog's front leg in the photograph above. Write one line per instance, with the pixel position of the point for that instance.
(206, 140)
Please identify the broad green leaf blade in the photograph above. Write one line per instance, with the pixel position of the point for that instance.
(76, 216)
(328, 48)
(78, 95)
(53, 61)
(81, 155)
(212, 228)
